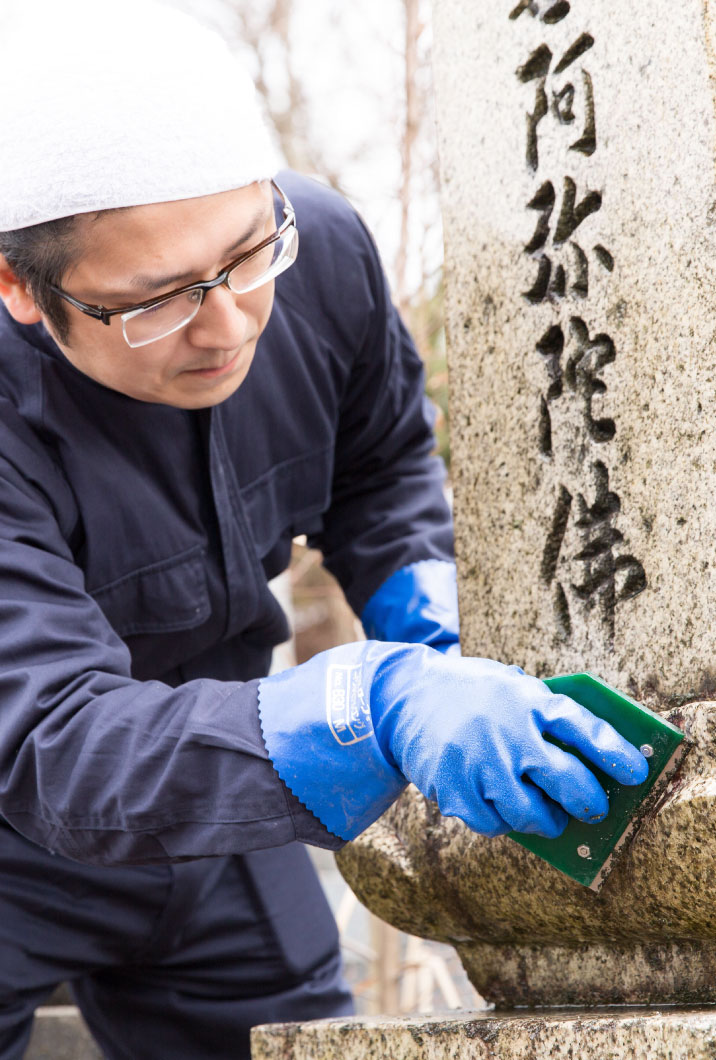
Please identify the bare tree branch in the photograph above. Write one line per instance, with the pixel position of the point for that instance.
(270, 31)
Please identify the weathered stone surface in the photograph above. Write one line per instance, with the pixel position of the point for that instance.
(526, 934)
(580, 283)
(577, 154)
(637, 1034)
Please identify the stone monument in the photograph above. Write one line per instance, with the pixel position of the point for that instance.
(578, 151)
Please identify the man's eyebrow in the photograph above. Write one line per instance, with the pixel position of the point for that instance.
(145, 283)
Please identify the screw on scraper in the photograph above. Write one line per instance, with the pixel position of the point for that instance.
(583, 850)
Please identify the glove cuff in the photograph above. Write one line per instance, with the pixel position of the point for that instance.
(417, 605)
(318, 729)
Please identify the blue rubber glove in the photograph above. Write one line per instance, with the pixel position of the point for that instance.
(347, 729)
(417, 605)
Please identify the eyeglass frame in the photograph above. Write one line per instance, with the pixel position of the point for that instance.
(99, 312)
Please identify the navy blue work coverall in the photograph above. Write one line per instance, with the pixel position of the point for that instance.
(148, 848)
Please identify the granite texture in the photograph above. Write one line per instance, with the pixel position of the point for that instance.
(528, 935)
(577, 160)
(638, 1034)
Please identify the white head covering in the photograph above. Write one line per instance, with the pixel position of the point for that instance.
(107, 105)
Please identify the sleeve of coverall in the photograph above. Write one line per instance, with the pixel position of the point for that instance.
(388, 509)
(93, 764)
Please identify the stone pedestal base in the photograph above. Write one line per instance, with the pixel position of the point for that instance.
(557, 1034)
(593, 974)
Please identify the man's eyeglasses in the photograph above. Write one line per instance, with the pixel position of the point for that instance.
(159, 317)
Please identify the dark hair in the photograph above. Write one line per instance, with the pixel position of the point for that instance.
(39, 256)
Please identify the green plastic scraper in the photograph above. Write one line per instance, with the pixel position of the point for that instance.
(588, 852)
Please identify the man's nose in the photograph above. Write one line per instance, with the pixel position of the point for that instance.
(221, 323)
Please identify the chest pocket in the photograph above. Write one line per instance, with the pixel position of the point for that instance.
(162, 597)
(291, 497)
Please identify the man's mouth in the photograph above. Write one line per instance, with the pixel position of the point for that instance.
(214, 371)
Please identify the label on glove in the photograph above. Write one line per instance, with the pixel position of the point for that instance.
(318, 730)
(347, 712)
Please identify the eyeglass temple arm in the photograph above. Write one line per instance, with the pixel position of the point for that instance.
(98, 312)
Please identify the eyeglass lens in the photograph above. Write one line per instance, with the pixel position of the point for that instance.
(142, 326)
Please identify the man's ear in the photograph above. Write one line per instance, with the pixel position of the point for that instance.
(18, 300)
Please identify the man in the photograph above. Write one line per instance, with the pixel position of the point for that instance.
(182, 392)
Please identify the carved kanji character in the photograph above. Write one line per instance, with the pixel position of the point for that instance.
(582, 375)
(551, 281)
(609, 579)
(537, 68)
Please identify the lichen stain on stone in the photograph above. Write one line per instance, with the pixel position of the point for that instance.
(680, 1034)
(530, 929)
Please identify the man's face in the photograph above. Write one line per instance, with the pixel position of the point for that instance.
(136, 254)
